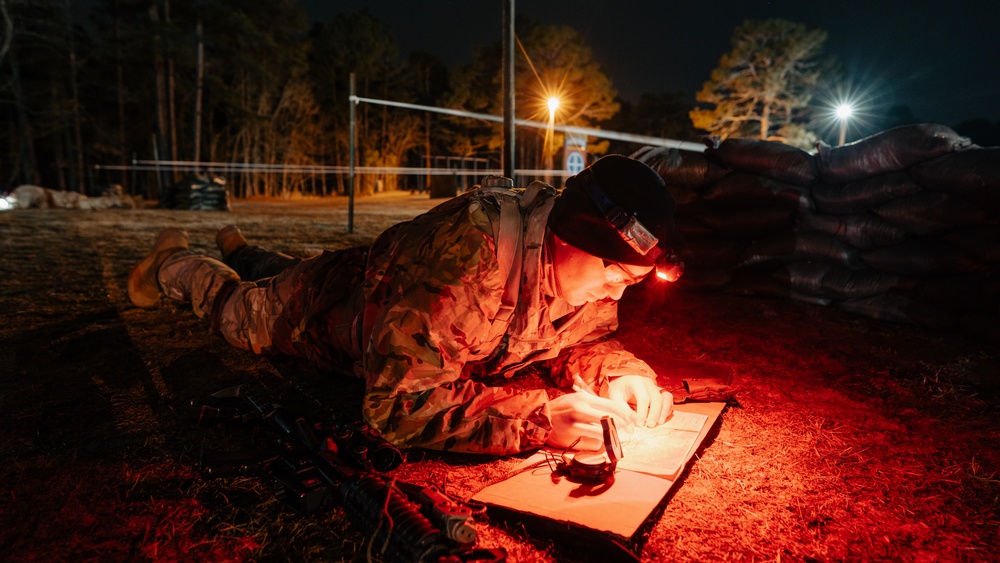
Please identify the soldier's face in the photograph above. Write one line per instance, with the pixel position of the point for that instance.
(584, 278)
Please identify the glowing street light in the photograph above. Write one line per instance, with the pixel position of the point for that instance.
(844, 112)
(553, 103)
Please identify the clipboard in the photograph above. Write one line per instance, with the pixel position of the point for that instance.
(619, 508)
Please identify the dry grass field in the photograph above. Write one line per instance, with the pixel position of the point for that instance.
(848, 440)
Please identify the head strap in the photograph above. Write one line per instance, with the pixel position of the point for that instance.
(629, 228)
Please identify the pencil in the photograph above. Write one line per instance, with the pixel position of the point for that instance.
(581, 386)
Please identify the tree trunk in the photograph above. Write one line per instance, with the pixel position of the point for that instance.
(63, 145)
(385, 118)
(427, 151)
(171, 98)
(172, 109)
(8, 30)
(79, 184)
(765, 119)
(120, 75)
(161, 87)
(199, 89)
(26, 163)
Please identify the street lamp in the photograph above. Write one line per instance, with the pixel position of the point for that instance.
(844, 112)
(553, 104)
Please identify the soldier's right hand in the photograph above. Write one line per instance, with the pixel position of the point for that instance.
(578, 415)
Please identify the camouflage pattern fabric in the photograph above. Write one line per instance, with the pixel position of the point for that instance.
(417, 323)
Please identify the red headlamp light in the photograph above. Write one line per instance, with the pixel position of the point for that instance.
(669, 267)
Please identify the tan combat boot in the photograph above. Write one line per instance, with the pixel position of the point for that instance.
(143, 287)
(229, 238)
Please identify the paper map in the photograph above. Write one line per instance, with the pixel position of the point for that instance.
(663, 450)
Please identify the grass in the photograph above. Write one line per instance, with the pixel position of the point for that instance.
(848, 440)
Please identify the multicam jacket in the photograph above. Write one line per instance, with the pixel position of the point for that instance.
(435, 329)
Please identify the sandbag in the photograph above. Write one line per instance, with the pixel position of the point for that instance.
(764, 279)
(901, 307)
(973, 173)
(811, 299)
(929, 212)
(983, 327)
(982, 242)
(888, 151)
(733, 220)
(972, 292)
(922, 256)
(837, 282)
(704, 279)
(113, 197)
(65, 200)
(28, 196)
(710, 252)
(770, 280)
(861, 195)
(686, 170)
(740, 188)
(862, 231)
(107, 201)
(773, 159)
(689, 226)
(801, 246)
(197, 194)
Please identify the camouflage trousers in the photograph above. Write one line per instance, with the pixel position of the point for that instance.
(271, 303)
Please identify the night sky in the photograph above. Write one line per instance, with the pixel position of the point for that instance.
(941, 59)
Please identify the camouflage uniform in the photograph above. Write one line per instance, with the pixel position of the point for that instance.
(422, 319)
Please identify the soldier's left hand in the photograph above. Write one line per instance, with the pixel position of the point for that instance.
(652, 404)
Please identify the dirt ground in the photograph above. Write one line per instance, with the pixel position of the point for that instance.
(848, 440)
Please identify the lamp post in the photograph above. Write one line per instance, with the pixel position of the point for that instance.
(553, 104)
(844, 112)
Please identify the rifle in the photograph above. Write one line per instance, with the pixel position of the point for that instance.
(310, 466)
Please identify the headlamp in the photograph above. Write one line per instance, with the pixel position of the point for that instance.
(629, 228)
(668, 265)
(637, 236)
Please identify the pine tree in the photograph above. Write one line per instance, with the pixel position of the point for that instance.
(763, 86)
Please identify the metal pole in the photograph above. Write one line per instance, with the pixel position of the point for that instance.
(159, 173)
(350, 177)
(843, 131)
(507, 154)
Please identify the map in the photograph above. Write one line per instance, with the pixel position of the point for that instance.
(663, 450)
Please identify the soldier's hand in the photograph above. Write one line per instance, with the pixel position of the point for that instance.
(578, 415)
(652, 404)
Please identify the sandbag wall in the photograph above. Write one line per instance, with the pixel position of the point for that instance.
(197, 194)
(902, 226)
(27, 196)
